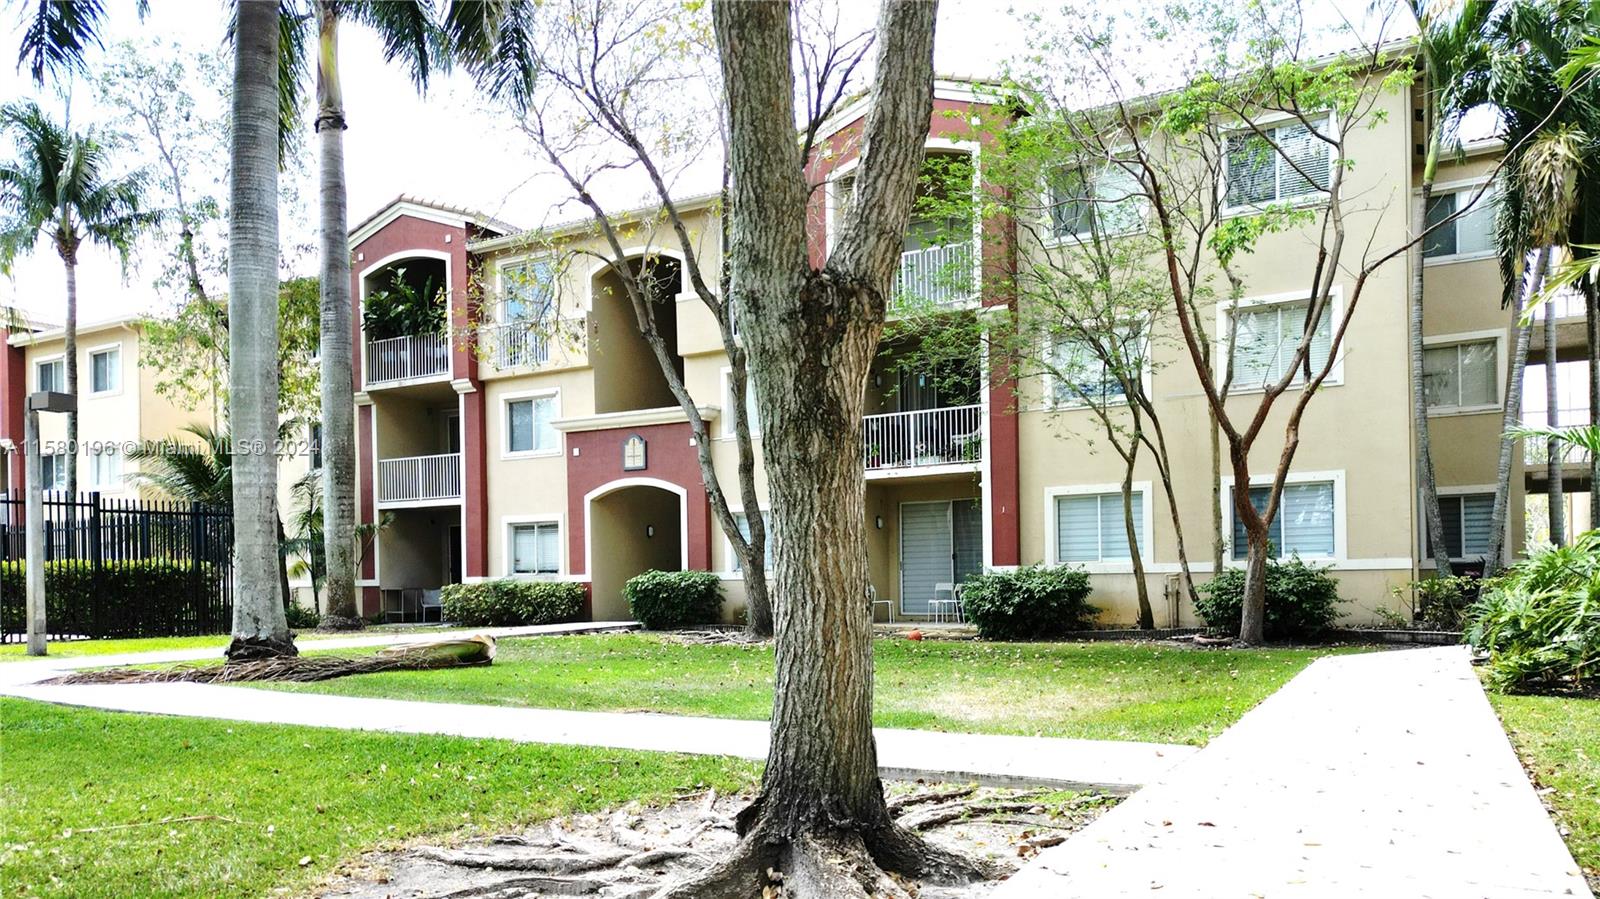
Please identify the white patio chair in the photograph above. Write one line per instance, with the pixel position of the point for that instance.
(946, 603)
(888, 605)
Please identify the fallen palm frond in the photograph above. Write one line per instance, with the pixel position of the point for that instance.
(476, 650)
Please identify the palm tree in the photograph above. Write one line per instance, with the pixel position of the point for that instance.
(1449, 51)
(198, 474)
(57, 187)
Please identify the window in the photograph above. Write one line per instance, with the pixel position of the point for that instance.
(105, 370)
(1091, 527)
(1303, 525)
(529, 427)
(751, 413)
(1467, 529)
(1472, 234)
(51, 375)
(54, 468)
(1462, 375)
(1267, 337)
(1289, 163)
(1079, 372)
(1107, 200)
(735, 564)
(314, 443)
(105, 469)
(536, 548)
(529, 290)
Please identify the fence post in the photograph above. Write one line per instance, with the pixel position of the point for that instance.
(197, 587)
(97, 624)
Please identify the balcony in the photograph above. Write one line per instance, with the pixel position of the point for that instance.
(528, 344)
(410, 358)
(419, 480)
(901, 441)
(1536, 451)
(940, 275)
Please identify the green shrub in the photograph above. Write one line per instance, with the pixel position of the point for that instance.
(1302, 600)
(668, 599)
(511, 601)
(1028, 604)
(301, 618)
(1437, 602)
(137, 598)
(1540, 622)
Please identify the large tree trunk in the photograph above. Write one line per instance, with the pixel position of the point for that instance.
(259, 627)
(1426, 475)
(1253, 614)
(338, 386)
(1592, 344)
(1555, 450)
(70, 334)
(1511, 416)
(1147, 615)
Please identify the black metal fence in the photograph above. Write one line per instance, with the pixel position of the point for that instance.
(120, 568)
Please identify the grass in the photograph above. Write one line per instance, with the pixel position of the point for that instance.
(83, 792)
(1559, 741)
(1106, 691)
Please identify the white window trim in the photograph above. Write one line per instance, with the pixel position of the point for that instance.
(1049, 376)
(508, 524)
(1052, 547)
(1499, 338)
(1314, 198)
(725, 422)
(1464, 185)
(1424, 551)
(506, 399)
(728, 572)
(122, 476)
(1052, 240)
(1334, 313)
(88, 357)
(1340, 547)
(504, 262)
(40, 361)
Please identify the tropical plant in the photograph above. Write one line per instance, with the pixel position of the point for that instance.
(306, 542)
(1302, 600)
(1540, 623)
(58, 187)
(200, 473)
(403, 308)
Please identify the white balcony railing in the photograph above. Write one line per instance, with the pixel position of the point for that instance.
(936, 275)
(416, 479)
(923, 437)
(1536, 451)
(403, 358)
(514, 344)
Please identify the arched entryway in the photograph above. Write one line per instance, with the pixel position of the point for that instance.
(633, 525)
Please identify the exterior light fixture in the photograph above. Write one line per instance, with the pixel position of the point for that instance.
(878, 520)
(649, 530)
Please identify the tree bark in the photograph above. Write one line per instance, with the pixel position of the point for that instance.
(1554, 449)
(1592, 358)
(338, 384)
(70, 333)
(1147, 615)
(1511, 416)
(1426, 475)
(1253, 613)
(259, 627)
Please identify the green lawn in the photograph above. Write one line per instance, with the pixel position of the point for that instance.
(17, 652)
(1107, 691)
(1559, 740)
(73, 781)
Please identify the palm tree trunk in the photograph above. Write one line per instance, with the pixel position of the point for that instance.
(338, 390)
(71, 367)
(259, 626)
(1426, 475)
(1511, 416)
(1554, 450)
(1591, 323)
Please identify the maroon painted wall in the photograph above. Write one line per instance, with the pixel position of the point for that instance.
(670, 457)
(13, 394)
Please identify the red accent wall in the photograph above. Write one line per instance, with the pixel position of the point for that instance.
(475, 482)
(365, 511)
(13, 396)
(670, 458)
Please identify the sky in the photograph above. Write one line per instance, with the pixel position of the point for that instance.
(448, 146)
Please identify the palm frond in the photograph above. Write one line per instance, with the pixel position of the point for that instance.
(58, 36)
(408, 31)
(494, 40)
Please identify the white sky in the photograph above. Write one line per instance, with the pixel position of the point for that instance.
(446, 146)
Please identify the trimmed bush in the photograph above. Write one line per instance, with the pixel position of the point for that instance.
(1302, 600)
(301, 618)
(511, 601)
(1540, 622)
(666, 599)
(1030, 603)
(137, 598)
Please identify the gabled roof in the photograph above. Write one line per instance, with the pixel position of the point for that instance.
(56, 332)
(427, 210)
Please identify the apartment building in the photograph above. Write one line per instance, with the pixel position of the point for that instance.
(496, 450)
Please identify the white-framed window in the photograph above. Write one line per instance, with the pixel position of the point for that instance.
(1105, 198)
(314, 444)
(105, 370)
(735, 564)
(751, 413)
(1469, 236)
(105, 469)
(54, 471)
(1091, 527)
(1468, 525)
(1267, 335)
(1284, 163)
(1462, 375)
(1307, 523)
(50, 374)
(1080, 375)
(535, 547)
(528, 289)
(530, 428)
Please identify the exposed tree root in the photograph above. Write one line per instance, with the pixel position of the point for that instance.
(478, 650)
(245, 649)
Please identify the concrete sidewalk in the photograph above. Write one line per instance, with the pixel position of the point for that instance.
(1385, 774)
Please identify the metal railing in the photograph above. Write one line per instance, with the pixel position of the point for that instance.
(419, 478)
(1535, 450)
(937, 275)
(528, 343)
(404, 358)
(923, 437)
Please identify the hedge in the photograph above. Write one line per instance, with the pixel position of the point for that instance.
(1302, 600)
(144, 597)
(510, 601)
(668, 599)
(1030, 603)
